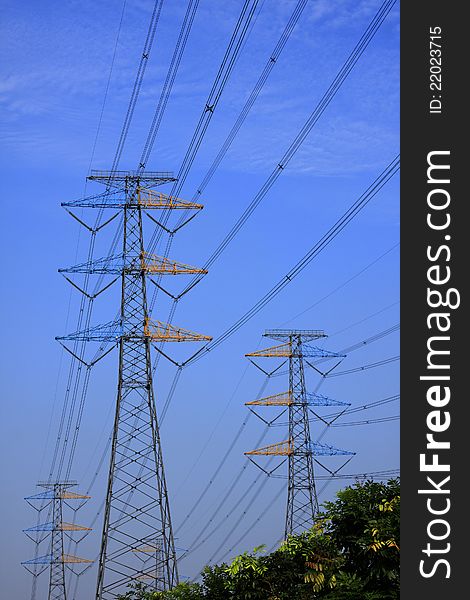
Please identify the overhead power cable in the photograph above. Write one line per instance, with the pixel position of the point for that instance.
(272, 61)
(236, 505)
(222, 462)
(373, 365)
(342, 285)
(169, 81)
(253, 524)
(359, 49)
(223, 74)
(367, 422)
(138, 81)
(324, 241)
(305, 130)
(368, 406)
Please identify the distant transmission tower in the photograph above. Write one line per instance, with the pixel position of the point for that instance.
(137, 511)
(300, 451)
(52, 499)
(152, 554)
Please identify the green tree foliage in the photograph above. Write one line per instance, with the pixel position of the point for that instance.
(351, 553)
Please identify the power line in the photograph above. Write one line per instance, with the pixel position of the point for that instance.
(225, 70)
(368, 406)
(373, 365)
(222, 462)
(169, 81)
(272, 61)
(359, 49)
(341, 286)
(304, 131)
(252, 525)
(367, 422)
(326, 239)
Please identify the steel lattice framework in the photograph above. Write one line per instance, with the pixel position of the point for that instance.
(299, 450)
(137, 510)
(53, 498)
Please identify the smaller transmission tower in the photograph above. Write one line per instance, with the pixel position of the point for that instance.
(56, 494)
(153, 559)
(302, 499)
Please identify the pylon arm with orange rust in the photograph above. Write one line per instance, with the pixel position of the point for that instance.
(282, 399)
(58, 527)
(278, 449)
(151, 199)
(64, 559)
(286, 351)
(158, 331)
(71, 559)
(286, 399)
(158, 264)
(283, 351)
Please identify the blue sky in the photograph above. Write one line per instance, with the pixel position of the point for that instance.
(56, 61)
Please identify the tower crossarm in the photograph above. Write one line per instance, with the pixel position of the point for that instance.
(287, 334)
(320, 449)
(315, 352)
(73, 527)
(281, 351)
(282, 399)
(278, 449)
(48, 559)
(106, 332)
(147, 549)
(158, 331)
(151, 263)
(73, 496)
(121, 178)
(287, 350)
(320, 400)
(71, 559)
(158, 200)
(286, 399)
(138, 263)
(57, 527)
(146, 576)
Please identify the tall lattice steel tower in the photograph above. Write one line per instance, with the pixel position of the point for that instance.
(137, 511)
(299, 450)
(56, 560)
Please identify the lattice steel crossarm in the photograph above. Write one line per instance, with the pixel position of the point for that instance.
(278, 449)
(147, 329)
(147, 263)
(285, 399)
(143, 199)
(59, 526)
(158, 331)
(151, 199)
(286, 334)
(121, 179)
(62, 560)
(319, 449)
(289, 350)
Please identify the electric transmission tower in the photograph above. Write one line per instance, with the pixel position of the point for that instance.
(299, 450)
(57, 493)
(137, 510)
